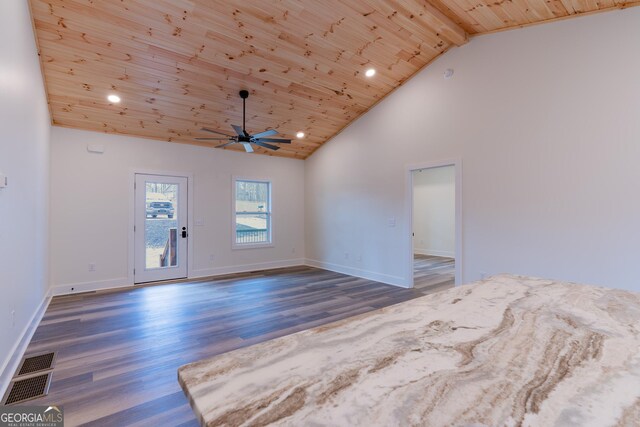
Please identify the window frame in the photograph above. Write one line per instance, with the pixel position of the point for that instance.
(234, 213)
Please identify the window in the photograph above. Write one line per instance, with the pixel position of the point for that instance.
(252, 222)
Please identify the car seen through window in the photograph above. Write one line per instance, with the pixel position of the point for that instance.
(155, 209)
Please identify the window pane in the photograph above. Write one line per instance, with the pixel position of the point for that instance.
(252, 196)
(161, 225)
(252, 228)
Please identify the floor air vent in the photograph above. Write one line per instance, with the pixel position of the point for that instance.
(37, 363)
(28, 388)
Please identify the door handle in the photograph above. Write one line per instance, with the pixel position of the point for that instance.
(184, 232)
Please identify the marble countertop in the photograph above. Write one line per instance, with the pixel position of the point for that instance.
(508, 351)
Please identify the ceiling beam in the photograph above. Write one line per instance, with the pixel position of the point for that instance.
(446, 27)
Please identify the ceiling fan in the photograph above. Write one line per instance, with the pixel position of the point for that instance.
(245, 138)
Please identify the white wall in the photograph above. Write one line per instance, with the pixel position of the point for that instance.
(434, 211)
(24, 158)
(91, 199)
(545, 120)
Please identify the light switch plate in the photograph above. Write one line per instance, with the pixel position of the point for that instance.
(3, 180)
(199, 222)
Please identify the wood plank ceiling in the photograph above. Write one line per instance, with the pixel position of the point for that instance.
(178, 64)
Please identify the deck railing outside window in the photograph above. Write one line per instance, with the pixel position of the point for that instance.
(252, 236)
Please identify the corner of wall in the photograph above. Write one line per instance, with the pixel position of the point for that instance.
(363, 274)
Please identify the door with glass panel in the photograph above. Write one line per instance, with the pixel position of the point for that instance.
(161, 229)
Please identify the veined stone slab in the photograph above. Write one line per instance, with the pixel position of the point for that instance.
(507, 351)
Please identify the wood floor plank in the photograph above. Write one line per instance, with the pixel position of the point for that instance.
(119, 351)
(433, 272)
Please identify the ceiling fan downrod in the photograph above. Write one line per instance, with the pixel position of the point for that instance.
(244, 94)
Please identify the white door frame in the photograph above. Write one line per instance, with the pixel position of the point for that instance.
(409, 169)
(132, 218)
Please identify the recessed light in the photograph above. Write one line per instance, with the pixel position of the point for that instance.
(113, 98)
(370, 72)
(300, 134)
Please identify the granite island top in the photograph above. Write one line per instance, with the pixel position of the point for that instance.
(507, 351)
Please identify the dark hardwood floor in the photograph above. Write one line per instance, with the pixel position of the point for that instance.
(433, 272)
(119, 351)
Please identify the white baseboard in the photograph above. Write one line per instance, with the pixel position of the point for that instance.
(74, 288)
(10, 365)
(125, 282)
(218, 271)
(364, 274)
(434, 252)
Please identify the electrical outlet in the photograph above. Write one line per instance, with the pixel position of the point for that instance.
(391, 222)
(484, 275)
(211, 258)
(346, 255)
(92, 266)
(359, 258)
(293, 250)
(13, 318)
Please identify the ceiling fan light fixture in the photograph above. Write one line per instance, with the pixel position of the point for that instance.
(113, 98)
(370, 72)
(261, 139)
(300, 135)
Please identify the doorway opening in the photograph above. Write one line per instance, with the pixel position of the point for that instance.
(160, 231)
(435, 226)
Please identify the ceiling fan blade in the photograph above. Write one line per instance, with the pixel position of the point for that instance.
(265, 145)
(212, 139)
(215, 131)
(247, 147)
(279, 140)
(224, 145)
(238, 130)
(269, 132)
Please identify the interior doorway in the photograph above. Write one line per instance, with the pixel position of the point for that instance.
(160, 232)
(435, 233)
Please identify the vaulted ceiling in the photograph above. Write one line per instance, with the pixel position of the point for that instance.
(178, 64)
